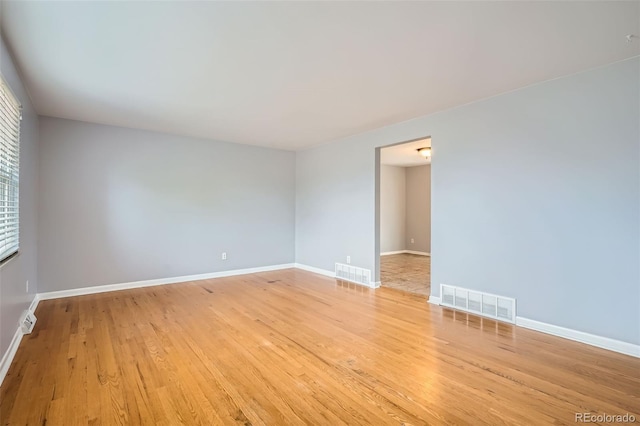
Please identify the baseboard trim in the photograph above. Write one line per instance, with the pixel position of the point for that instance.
(325, 272)
(34, 303)
(580, 336)
(420, 253)
(331, 274)
(568, 333)
(7, 358)
(163, 281)
(10, 353)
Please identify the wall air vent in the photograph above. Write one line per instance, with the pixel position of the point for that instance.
(27, 321)
(353, 274)
(479, 303)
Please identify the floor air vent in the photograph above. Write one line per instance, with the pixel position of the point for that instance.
(475, 302)
(353, 274)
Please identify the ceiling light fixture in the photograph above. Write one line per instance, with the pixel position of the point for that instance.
(425, 152)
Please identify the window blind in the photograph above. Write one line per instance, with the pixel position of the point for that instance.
(10, 116)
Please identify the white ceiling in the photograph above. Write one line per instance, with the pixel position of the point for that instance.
(405, 154)
(294, 74)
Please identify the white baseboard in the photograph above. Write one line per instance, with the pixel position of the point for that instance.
(34, 303)
(420, 253)
(162, 281)
(7, 358)
(10, 353)
(580, 336)
(315, 270)
(331, 274)
(567, 333)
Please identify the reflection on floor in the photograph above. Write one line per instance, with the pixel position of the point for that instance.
(408, 272)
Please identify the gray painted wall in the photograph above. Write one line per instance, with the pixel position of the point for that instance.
(535, 195)
(418, 210)
(405, 208)
(392, 208)
(120, 205)
(16, 271)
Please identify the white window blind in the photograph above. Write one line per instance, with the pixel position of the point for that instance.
(10, 117)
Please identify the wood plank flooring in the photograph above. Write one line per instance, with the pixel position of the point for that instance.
(290, 347)
(408, 272)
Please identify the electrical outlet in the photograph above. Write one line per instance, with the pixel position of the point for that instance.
(27, 286)
(412, 241)
(224, 255)
(348, 260)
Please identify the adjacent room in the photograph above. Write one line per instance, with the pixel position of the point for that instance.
(405, 216)
(319, 213)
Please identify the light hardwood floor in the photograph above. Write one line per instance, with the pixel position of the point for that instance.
(408, 272)
(290, 347)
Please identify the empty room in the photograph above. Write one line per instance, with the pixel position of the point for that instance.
(405, 216)
(319, 213)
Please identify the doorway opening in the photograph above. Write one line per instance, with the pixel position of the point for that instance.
(405, 216)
